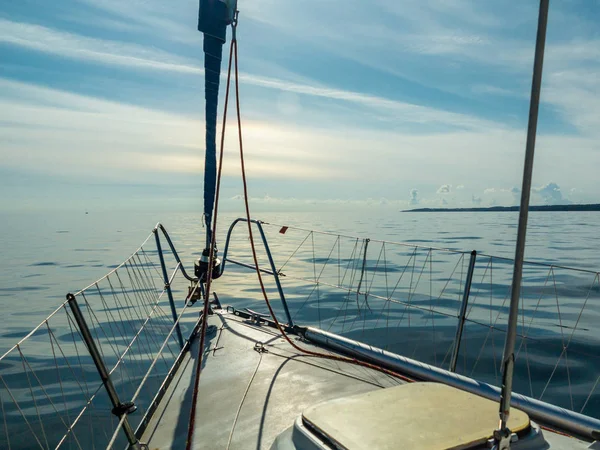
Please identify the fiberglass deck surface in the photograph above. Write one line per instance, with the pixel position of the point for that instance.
(286, 383)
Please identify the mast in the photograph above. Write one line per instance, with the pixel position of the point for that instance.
(213, 18)
(502, 435)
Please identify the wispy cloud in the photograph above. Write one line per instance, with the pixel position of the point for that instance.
(75, 46)
(137, 140)
(132, 139)
(495, 90)
(117, 53)
(332, 92)
(173, 22)
(455, 31)
(407, 112)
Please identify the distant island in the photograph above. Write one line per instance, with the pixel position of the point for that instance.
(589, 207)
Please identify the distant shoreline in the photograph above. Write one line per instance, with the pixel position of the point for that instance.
(570, 208)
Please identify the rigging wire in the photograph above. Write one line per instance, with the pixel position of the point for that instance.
(255, 257)
(233, 57)
(233, 53)
(211, 256)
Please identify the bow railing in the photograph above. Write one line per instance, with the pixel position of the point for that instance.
(443, 307)
(92, 373)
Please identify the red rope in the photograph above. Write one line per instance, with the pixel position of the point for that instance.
(233, 52)
(258, 273)
(190, 435)
(255, 258)
(552, 430)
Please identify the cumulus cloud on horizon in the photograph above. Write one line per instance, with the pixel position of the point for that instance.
(516, 192)
(414, 197)
(551, 193)
(444, 189)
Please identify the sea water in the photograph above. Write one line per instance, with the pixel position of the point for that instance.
(46, 255)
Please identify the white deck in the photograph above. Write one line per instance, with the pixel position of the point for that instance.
(286, 383)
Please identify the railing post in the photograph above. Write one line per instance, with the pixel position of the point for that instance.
(119, 409)
(270, 257)
(168, 288)
(463, 311)
(228, 240)
(275, 274)
(175, 254)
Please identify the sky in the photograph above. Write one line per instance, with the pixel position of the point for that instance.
(345, 104)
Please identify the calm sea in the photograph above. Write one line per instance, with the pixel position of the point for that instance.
(45, 256)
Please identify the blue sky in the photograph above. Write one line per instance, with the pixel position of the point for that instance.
(346, 103)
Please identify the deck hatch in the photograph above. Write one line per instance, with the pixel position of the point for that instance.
(415, 415)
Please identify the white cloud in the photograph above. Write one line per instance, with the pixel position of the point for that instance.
(68, 132)
(60, 132)
(501, 196)
(414, 197)
(323, 202)
(516, 193)
(118, 137)
(460, 36)
(409, 39)
(116, 53)
(408, 112)
(486, 89)
(550, 193)
(75, 46)
(444, 189)
(575, 93)
(149, 16)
